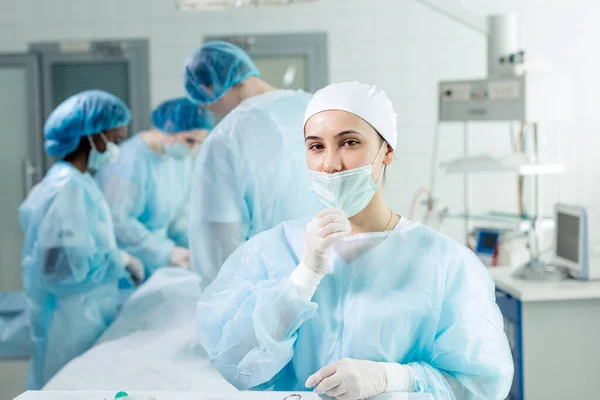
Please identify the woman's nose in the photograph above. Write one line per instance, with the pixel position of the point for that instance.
(333, 162)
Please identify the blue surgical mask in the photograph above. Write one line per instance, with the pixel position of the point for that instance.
(349, 191)
(178, 150)
(97, 160)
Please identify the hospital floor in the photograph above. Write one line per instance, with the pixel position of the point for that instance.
(12, 378)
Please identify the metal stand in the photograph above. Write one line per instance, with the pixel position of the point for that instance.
(537, 269)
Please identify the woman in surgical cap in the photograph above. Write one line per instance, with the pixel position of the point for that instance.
(358, 301)
(71, 263)
(147, 188)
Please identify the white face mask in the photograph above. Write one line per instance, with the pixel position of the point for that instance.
(97, 160)
(349, 191)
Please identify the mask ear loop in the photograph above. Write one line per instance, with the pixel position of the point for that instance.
(104, 138)
(382, 167)
(91, 142)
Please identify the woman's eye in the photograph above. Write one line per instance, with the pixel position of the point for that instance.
(350, 142)
(316, 146)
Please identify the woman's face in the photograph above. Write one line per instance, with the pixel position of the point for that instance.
(339, 141)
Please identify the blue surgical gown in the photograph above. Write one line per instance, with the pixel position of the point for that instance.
(410, 296)
(249, 176)
(147, 193)
(71, 268)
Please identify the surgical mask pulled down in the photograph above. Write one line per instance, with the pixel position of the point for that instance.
(349, 191)
(97, 160)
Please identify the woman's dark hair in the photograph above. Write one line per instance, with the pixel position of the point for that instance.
(83, 147)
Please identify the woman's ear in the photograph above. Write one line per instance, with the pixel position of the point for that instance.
(98, 142)
(389, 155)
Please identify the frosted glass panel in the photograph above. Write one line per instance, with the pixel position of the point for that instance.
(283, 72)
(14, 134)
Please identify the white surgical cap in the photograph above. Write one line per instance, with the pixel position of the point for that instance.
(364, 101)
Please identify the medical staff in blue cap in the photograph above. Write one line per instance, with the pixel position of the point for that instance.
(71, 262)
(250, 174)
(147, 188)
(357, 301)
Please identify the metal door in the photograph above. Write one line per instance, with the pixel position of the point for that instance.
(21, 156)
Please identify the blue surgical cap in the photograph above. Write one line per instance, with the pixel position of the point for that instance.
(181, 114)
(83, 114)
(213, 69)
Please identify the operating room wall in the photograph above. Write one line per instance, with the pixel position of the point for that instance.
(398, 45)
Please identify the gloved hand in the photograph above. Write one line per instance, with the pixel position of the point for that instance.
(180, 257)
(327, 228)
(134, 267)
(349, 379)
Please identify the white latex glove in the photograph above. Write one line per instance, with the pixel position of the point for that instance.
(180, 257)
(134, 267)
(349, 379)
(328, 227)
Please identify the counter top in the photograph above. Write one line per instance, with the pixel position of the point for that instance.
(48, 395)
(529, 291)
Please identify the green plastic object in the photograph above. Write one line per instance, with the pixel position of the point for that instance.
(121, 394)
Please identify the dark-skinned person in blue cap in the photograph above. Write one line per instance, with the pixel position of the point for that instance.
(71, 262)
(147, 188)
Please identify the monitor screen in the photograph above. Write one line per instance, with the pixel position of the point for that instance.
(487, 241)
(567, 236)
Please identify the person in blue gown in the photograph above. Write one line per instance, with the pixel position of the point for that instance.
(71, 262)
(250, 173)
(147, 188)
(357, 301)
